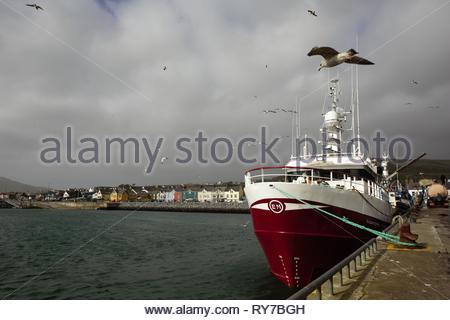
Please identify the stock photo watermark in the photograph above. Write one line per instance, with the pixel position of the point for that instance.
(201, 149)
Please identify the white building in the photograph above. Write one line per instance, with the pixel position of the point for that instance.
(169, 196)
(232, 195)
(221, 194)
(208, 195)
(161, 196)
(97, 195)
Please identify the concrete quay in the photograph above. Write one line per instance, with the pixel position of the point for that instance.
(397, 273)
(418, 274)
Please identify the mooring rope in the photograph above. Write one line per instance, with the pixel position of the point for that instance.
(386, 236)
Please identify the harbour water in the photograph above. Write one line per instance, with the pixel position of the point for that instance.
(145, 255)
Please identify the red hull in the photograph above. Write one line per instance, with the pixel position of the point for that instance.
(301, 244)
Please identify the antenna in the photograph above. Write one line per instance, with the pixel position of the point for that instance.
(352, 106)
(297, 107)
(293, 139)
(357, 99)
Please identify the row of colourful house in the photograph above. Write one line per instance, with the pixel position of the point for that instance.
(205, 194)
(128, 193)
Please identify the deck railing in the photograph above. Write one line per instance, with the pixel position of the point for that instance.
(326, 178)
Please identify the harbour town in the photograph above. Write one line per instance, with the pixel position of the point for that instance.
(222, 197)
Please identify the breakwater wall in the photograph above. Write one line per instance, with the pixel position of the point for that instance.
(220, 207)
(70, 205)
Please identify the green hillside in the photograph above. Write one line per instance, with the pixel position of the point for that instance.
(8, 185)
(432, 169)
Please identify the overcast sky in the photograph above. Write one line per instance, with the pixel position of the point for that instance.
(97, 66)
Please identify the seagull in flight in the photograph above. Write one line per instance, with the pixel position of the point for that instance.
(333, 58)
(312, 13)
(285, 110)
(164, 159)
(34, 5)
(165, 68)
(408, 103)
(414, 82)
(269, 111)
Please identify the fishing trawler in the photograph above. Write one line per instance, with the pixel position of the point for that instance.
(287, 203)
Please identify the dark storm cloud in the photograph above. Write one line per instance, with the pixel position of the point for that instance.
(104, 76)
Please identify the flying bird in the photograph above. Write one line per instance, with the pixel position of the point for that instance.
(333, 58)
(414, 82)
(408, 103)
(164, 159)
(269, 111)
(312, 13)
(34, 5)
(285, 110)
(165, 68)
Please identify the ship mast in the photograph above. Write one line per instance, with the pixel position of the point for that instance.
(357, 102)
(357, 112)
(333, 122)
(295, 131)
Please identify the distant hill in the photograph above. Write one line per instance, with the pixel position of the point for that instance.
(429, 168)
(8, 185)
